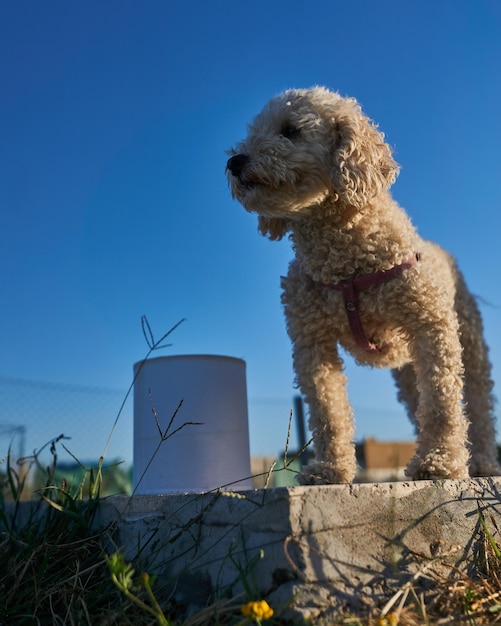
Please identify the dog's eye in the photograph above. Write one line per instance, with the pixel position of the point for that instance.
(289, 131)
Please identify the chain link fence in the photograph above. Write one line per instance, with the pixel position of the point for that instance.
(34, 413)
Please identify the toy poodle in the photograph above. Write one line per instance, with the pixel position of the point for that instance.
(316, 167)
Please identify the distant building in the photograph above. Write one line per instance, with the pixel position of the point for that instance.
(383, 460)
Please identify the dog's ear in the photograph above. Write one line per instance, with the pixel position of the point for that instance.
(272, 227)
(363, 164)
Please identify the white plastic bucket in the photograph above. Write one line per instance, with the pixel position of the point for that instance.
(197, 458)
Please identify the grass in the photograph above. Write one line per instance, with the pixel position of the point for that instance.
(52, 566)
(58, 567)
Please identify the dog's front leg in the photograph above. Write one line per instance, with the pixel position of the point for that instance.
(320, 376)
(442, 426)
(322, 380)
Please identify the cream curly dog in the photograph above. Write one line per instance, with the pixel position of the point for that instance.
(313, 165)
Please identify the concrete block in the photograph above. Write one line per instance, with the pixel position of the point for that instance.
(314, 550)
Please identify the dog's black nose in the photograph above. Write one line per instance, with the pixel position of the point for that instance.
(236, 163)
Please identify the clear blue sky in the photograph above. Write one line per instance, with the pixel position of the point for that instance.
(114, 121)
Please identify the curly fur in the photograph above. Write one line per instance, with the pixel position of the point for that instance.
(314, 166)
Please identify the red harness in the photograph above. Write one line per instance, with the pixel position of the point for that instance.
(349, 289)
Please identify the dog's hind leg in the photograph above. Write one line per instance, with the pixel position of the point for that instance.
(478, 396)
(407, 393)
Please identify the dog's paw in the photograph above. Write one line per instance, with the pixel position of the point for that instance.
(323, 473)
(435, 466)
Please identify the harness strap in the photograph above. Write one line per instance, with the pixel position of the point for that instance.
(349, 289)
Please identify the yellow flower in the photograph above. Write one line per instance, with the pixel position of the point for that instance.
(257, 610)
(389, 620)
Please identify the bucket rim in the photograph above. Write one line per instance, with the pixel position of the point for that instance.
(185, 357)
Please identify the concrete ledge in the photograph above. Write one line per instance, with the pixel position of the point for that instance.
(314, 550)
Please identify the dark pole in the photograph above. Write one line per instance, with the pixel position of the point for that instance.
(300, 425)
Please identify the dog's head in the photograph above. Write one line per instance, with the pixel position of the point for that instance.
(309, 150)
